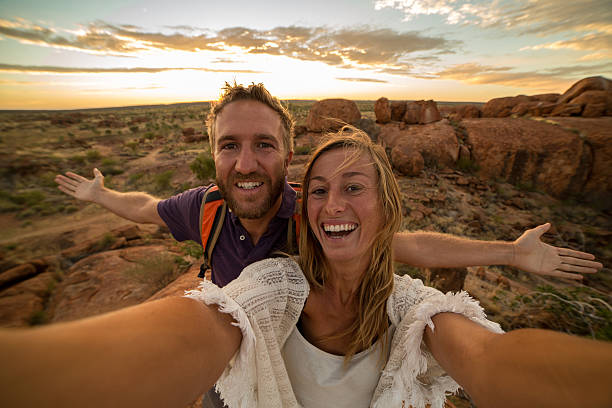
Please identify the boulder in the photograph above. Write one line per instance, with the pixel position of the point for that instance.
(111, 280)
(567, 109)
(597, 83)
(502, 107)
(549, 97)
(370, 127)
(398, 110)
(406, 160)
(421, 112)
(382, 110)
(594, 103)
(447, 279)
(469, 111)
(20, 302)
(332, 114)
(531, 153)
(598, 134)
(436, 142)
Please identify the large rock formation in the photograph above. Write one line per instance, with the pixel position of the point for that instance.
(421, 112)
(589, 98)
(435, 142)
(332, 114)
(382, 110)
(530, 153)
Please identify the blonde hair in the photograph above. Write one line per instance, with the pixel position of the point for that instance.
(253, 92)
(377, 284)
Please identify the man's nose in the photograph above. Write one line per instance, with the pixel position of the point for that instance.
(247, 161)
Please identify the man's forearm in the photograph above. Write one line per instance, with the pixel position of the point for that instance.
(436, 250)
(158, 354)
(134, 206)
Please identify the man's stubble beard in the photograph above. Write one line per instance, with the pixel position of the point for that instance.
(276, 189)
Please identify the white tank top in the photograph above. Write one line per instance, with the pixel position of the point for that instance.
(320, 379)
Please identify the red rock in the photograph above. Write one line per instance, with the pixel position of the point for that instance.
(598, 134)
(332, 114)
(567, 109)
(436, 142)
(530, 153)
(594, 110)
(406, 160)
(398, 110)
(447, 279)
(421, 112)
(111, 280)
(17, 274)
(469, 111)
(549, 97)
(597, 83)
(187, 281)
(382, 110)
(502, 107)
(16, 311)
(188, 131)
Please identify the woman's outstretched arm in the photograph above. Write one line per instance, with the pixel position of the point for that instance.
(158, 354)
(522, 368)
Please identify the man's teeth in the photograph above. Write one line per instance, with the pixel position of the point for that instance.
(339, 227)
(249, 184)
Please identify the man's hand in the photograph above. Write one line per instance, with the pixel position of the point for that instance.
(79, 187)
(533, 255)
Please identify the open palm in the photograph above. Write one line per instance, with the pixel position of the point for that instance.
(79, 187)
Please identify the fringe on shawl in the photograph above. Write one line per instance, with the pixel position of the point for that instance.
(237, 385)
(405, 384)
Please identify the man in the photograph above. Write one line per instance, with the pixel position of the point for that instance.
(250, 135)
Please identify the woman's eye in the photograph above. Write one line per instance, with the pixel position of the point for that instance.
(354, 188)
(317, 191)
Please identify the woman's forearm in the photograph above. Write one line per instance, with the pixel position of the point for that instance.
(157, 354)
(522, 368)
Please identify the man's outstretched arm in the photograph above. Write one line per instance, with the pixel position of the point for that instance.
(528, 253)
(134, 206)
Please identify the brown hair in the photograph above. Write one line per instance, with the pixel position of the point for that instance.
(254, 92)
(377, 284)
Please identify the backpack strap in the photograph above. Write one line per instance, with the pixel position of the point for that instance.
(212, 215)
(293, 225)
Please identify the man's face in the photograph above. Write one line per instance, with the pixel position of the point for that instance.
(250, 158)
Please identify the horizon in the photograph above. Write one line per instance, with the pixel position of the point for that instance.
(123, 53)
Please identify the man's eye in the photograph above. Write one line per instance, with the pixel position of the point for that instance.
(228, 146)
(264, 145)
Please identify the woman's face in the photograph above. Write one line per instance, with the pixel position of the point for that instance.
(343, 206)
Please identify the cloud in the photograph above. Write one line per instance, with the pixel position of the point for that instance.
(360, 47)
(95, 70)
(474, 73)
(363, 80)
(589, 42)
(533, 17)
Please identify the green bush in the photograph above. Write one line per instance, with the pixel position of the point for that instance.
(92, 155)
(162, 180)
(203, 167)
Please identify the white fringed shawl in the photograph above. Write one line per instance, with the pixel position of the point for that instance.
(266, 302)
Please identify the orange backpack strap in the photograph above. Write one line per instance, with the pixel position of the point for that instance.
(212, 215)
(293, 226)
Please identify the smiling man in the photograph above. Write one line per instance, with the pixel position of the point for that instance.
(251, 139)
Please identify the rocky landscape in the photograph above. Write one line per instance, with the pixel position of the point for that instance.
(486, 171)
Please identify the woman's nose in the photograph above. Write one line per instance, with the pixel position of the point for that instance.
(335, 203)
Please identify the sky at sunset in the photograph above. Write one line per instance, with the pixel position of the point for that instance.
(63, 54)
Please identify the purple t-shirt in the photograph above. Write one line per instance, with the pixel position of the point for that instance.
(234, 249)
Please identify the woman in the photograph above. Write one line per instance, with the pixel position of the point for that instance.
(345, 331)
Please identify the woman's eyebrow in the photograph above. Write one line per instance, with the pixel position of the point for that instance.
(343, 175)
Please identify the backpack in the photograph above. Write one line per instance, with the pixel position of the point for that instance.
(212, 215)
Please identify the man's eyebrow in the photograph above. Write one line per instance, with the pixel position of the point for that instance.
(258, 136)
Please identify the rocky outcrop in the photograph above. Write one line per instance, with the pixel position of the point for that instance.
(435, 142)
(332, 114)
(112, 280)
(382, 110)
(589, 98)
(530, 153)
(398, 110)
(421, 112)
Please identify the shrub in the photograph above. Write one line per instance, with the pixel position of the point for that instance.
(467, 165)
(162, 180)
(92, 155)
(203, 167)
